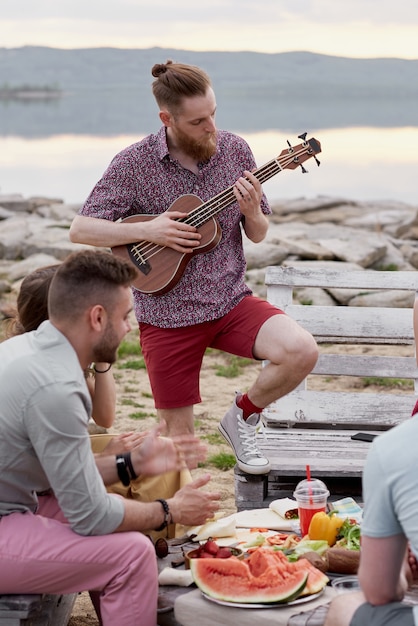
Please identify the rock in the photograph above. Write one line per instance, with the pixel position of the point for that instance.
(262, 254)
(366, 250)
(4, 286)
(15, 203)
(21, 268)
(388, 298)
(306, 249)
(321, 232)
(410, 254)
(255, 279)
(302, 205)
(5, 213)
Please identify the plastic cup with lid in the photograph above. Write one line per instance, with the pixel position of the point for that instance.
(312, 497)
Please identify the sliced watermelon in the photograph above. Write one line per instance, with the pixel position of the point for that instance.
(265, 558)
(231, 580)
(317, 580)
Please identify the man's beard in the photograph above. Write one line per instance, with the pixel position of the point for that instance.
(201, 151)
(106, 350)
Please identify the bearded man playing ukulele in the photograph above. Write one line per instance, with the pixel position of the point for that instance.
(209, 305)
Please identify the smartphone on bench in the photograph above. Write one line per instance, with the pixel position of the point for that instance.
(363, 436)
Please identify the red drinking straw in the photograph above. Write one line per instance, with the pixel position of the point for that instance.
(308, 476)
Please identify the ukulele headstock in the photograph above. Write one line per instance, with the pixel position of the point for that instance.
(293, 156)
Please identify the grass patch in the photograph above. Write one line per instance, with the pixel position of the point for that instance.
(233, 367)
(129, 348)
(389, 267)
(222, 461)
(130, 402)
(139, 415)
(399, 383)
(133, 365)
(128, 389)
(146, 394)
(213, 439)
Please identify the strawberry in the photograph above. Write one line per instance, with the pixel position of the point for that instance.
(206, 555)
(223, 553)
(211, 547)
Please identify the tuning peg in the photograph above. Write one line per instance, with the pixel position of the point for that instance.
(302, 136)
(304, 171)
(318, 162)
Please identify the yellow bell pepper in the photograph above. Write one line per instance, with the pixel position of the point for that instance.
(325, 527)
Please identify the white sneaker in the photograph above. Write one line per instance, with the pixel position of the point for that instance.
(241, 436)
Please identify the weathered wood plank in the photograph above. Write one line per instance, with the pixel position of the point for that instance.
(338, 407)
(334, 455)
(366, 366)
(362, 279)
(368, 324)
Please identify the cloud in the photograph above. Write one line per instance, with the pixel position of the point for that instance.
(245, 12)
(353, 28)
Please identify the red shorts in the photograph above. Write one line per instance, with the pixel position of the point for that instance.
(174, 356)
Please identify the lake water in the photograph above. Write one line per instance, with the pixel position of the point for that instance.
(358, 163)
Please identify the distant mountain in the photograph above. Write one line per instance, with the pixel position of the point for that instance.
(109, 88)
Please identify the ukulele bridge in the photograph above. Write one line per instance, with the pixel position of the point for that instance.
(138, 260)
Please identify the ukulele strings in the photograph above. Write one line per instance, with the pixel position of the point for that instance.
(145, 250)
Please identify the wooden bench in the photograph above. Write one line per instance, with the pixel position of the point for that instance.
(311, 426)
(36, 609)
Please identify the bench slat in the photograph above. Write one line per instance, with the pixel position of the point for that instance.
(332, 452)
(366, 366)
(366, 323)
(335, 407)
(343, 279)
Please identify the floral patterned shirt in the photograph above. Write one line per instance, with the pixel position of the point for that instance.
(143, 178)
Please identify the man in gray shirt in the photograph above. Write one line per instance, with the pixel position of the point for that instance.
(76, 536)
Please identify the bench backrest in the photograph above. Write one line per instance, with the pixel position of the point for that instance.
(353, 325)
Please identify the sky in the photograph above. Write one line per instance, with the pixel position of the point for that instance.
(349, 28)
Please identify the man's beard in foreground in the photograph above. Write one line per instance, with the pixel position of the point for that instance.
(106, 350)
(200, 151)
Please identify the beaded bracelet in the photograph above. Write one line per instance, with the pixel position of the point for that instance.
(168, 519)
(101, 371)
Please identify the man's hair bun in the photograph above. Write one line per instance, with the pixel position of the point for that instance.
(160, 68)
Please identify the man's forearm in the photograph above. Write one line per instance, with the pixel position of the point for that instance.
(106, 464)
(256, 226)
(104, 233)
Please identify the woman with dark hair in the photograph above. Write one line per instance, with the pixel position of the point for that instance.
(32, 310)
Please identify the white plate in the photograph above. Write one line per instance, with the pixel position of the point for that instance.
(267, 605)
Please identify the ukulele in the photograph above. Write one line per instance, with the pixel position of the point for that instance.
(160, 267)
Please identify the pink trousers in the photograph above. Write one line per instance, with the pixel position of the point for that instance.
(39, 553)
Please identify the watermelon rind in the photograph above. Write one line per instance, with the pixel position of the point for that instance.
(317, 580)
(230, 580)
